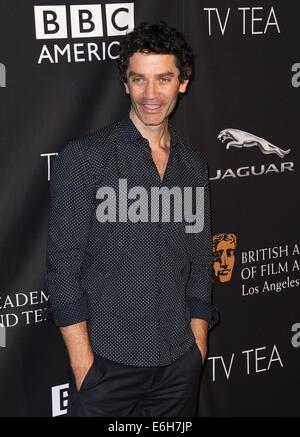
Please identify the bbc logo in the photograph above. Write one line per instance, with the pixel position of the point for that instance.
(86, 21)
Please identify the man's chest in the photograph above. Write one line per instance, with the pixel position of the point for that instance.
(146, 169)
(160, 158)
(131, 200)
(144, 187)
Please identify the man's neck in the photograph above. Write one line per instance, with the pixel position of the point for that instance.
(158, 136)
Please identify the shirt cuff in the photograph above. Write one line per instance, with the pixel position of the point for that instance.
(202, 310)
(70, 313)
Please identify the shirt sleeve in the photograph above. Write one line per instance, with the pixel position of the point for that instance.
(199, 287)
(71, 201)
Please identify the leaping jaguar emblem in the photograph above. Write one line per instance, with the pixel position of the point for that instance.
(239, 138)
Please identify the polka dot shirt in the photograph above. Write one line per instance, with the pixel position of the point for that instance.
(137, 282)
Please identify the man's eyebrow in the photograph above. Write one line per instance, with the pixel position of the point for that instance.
(133, 73)
(167, 73)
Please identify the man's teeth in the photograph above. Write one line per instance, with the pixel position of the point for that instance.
(151, 106)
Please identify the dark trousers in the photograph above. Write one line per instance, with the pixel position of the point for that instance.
(112, 389)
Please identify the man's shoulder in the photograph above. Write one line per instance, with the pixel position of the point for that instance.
(96, 141)
(90, 150)
(193, 153)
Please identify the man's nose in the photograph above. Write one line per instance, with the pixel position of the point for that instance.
(150, 91)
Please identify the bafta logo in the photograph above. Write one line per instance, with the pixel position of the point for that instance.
(224, 246)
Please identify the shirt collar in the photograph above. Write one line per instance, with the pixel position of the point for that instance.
(133, 134)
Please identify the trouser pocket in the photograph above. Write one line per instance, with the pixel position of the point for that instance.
(79, 400)
(93, 376)
(91, 379)
(198, 352)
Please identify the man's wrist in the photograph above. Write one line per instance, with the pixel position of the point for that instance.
(82, 363)
(199, 328)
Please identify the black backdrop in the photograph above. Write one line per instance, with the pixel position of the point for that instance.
(247, 83)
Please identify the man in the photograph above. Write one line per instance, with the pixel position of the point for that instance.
(131, 294)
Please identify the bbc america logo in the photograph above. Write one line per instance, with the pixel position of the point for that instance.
(104, 22)
(84, 21)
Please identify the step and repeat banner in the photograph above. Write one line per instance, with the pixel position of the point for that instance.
(58, 81)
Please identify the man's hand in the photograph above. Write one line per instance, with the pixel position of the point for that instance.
(200, 330)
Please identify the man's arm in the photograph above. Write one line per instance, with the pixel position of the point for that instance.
(71, 202)
(199, 287)
(200, 331)
(79, 348)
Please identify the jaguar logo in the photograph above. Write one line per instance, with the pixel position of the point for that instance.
(242, 139)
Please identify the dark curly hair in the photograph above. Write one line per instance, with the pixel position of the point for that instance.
(156, 38)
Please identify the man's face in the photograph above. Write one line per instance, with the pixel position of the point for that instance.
(224, 259)
(153, 86)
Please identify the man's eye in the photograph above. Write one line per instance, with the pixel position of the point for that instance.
(136, 80)
(165, 79)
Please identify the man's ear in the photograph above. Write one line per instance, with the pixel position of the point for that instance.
(183, 86)
(126, 88)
